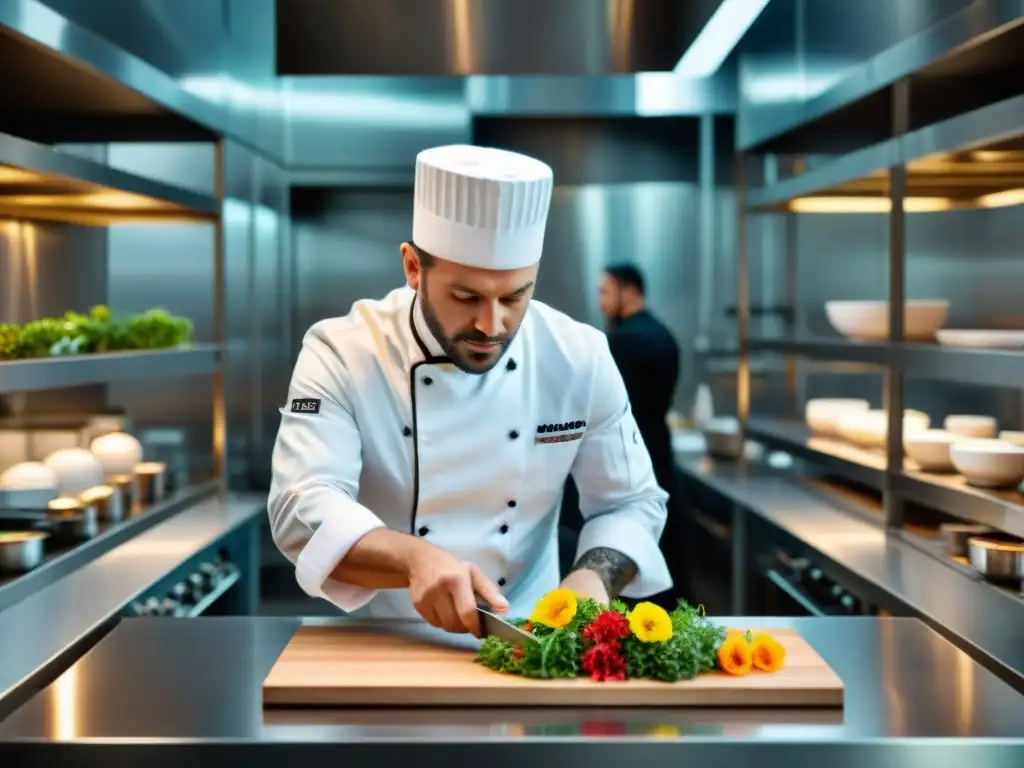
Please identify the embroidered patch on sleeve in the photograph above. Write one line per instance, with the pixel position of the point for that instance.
(306, 405)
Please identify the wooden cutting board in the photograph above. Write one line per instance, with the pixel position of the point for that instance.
(366, 666)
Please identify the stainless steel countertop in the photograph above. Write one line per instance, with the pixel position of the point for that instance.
(171, 684)
(42, 627)
(971, 610)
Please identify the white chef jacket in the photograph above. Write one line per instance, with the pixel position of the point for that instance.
(476, 464)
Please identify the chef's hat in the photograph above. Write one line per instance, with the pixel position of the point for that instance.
(481, 207)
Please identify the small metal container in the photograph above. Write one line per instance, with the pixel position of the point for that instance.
(151, 477)
(956, 536)
(128, 487)
(21, 551)
(71, 520)
(108, 501)
(998, 557)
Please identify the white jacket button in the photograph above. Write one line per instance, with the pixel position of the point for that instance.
(513, 434)
(423, 531)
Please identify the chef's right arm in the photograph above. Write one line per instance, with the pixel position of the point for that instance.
(341, 550)
(314, 516)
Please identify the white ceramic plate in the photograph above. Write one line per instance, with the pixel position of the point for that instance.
(981, 339)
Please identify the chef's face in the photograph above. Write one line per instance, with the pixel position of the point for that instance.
(473, 313)
(609, 299)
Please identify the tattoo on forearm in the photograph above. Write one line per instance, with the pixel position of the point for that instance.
(613, 568)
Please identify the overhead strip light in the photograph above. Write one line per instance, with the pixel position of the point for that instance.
(852, 204)
(720, 35)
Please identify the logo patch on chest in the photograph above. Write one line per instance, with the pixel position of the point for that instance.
(306, 405)
(562, 432)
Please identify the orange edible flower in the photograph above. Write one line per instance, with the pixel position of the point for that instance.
(734, 657)
(767, 653)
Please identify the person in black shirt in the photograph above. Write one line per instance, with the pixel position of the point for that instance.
(647, 355)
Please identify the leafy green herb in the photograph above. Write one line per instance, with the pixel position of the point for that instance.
(99, 331)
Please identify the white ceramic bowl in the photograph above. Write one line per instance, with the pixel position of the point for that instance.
(929, 448)
(1013, 438)
(869, 320)
(117, 452)
(76, 470)
(28, 475)
(988, 463)
(971, 426)
(994, 339)
(869, 429)
(822, 414)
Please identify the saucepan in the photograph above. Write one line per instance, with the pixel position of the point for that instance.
(998, 557)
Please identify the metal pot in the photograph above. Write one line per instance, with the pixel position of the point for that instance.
(997, 557)
(21, 551)
(956, 536)
(70, 520)
(108, 500)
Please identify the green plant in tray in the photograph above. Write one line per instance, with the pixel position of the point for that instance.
(99, 331)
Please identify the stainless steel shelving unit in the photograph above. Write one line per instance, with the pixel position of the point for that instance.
(971, 160)
(42, 183)
(991, 367)
(73, 371)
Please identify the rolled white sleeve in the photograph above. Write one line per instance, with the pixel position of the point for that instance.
(314, 516)
(622, 505)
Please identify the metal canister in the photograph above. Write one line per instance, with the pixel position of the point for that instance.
(108, 501)
(151, 477)
(128, 487)
(21, 551)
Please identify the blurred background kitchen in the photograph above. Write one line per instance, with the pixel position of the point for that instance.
(198, 181)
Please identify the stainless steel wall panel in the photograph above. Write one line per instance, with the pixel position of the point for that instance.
(168, 266)
(645, 94)
(362, 125)
(458, 37)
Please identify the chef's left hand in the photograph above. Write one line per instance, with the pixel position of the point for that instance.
(586, 583)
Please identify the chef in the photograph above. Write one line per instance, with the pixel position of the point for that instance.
(428, 435)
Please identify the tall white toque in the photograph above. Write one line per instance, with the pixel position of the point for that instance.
(481, 207)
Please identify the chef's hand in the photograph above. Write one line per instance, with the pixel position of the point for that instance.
(586, 583)
(444, 590)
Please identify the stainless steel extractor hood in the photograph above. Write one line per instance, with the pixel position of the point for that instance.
(500, 37)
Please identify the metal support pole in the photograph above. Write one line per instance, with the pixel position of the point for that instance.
(706, 297)
(742, 298)
(794, 377)
(220, 466)
(894, 383)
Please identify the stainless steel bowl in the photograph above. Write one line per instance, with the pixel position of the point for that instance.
(21, 551)
(997, 557)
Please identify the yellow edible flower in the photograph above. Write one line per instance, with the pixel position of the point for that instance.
(650, 623)
(555, 609)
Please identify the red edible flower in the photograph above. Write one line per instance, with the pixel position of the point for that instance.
(607, 627)
(604, 661)
(517, 652)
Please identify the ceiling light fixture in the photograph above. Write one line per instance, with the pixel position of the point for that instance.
(720, 35)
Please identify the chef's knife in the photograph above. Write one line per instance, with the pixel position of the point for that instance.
(491, 624)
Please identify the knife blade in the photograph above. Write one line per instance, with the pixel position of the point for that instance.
(491, 624)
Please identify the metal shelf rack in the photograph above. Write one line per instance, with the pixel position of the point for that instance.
(941, 161)
(73, 371)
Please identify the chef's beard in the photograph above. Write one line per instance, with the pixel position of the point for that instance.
(464, 359)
